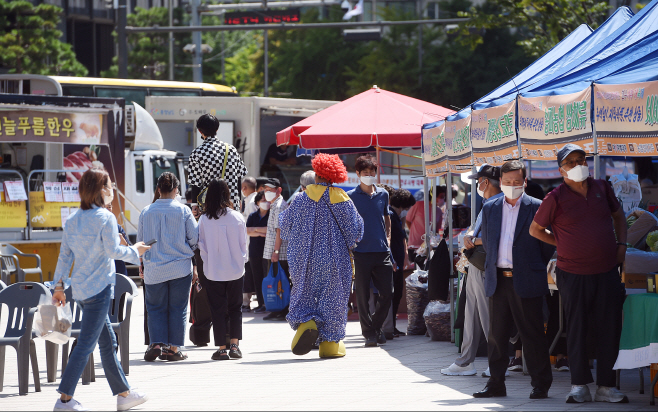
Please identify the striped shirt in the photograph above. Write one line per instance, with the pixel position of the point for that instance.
(170, 223)
(91, 239)
(277, 206)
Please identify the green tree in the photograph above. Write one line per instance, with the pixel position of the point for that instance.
(30, 41)
(309, 64)
(453, 75)
(542, 23)
(148, 53)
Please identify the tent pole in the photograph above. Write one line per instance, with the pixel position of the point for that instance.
(597, 159)
(435, 184)
(450, 252)
(474, 195)
(399, 173)
(379, 162)
(426, 203)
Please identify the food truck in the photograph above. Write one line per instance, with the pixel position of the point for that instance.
(47, 143)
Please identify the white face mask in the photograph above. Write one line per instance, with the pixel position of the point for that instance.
(179, 199)
(368, 180)
(480, 192)
(578, 173)
(269, 196)
(108, 198)
(403, 214)
(243, 195)
(512, 192)
(264, 205)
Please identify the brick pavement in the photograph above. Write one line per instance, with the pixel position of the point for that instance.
(402, 375)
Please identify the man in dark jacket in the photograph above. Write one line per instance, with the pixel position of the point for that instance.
(515, 282)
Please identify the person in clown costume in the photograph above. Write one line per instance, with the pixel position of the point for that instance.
(321, 226)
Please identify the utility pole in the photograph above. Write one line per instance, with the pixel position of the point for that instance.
(266, 92)
(122, 19)
(223, 59)
(197, 69)
(419, 6)
(171, 40)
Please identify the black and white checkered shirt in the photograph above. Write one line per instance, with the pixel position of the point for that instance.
(207, 161)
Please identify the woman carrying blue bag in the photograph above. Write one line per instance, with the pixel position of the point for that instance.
(223, 247)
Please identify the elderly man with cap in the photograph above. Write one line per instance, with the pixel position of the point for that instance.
(275, 247)
(588, 226)
(476, 314)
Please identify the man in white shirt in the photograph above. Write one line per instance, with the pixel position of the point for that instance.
(515, 281)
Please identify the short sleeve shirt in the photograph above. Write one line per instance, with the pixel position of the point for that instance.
(207, 163)
(257, 243)
(372, 208)
(278, 206)
(583, 227)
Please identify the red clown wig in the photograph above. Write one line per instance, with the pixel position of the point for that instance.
(329, 167)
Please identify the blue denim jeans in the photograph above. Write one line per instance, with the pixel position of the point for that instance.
(166, 304)
(95, 328)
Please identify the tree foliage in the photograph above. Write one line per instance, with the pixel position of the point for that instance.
(541, 23)
(30, 41)
(148, 53)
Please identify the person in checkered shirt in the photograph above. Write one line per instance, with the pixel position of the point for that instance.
(207, 161)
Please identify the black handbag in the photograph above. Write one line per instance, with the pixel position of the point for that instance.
(476, 256)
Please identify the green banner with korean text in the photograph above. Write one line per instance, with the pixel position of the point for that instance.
(458, 145)
(434, 151)
(626, 118)
(493, 135)
(547, 123)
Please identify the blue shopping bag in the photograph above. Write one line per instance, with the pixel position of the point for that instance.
(276, 289)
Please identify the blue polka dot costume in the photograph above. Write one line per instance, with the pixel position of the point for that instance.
(320, 267)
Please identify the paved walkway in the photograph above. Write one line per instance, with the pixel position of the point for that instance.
(402, 375)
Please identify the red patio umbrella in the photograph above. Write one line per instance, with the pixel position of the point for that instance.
(375, 117)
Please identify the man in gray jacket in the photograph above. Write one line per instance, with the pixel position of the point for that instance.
(476, 313)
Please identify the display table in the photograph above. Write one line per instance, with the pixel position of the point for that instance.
(638, 346)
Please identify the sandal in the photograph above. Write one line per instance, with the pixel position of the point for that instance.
(153, 352)
(220, 355)
(171, 356)
(235, 352)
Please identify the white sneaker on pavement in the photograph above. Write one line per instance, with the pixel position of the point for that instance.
(610, 394)
(71, 405)
(456, 370)
(579, 394)
(487, 373)
(133, 399)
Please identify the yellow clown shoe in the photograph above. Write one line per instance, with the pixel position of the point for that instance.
(332, 349)
(305, 338)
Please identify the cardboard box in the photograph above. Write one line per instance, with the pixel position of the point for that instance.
(634, 280)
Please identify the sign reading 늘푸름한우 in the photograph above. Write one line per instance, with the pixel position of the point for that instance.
(547, 123)
(493, 135)
(65, 125)
(626, 118)
(434, 151)
(458, 145)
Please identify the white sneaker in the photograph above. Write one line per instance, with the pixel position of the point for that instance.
(579, 394)
(456, 370)
(71, 405)
(610, 394)
(133, 399)
(487, 373)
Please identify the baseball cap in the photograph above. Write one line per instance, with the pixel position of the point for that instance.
(273, 182)
(492, 172)
(566, 150)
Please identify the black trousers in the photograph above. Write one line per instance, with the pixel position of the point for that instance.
(200, 314)
(398, 288)
(286, 270)
(597, 299)
(225, 300)
(507, 308)
(259, 267)
(375, 267)
(248, 286)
